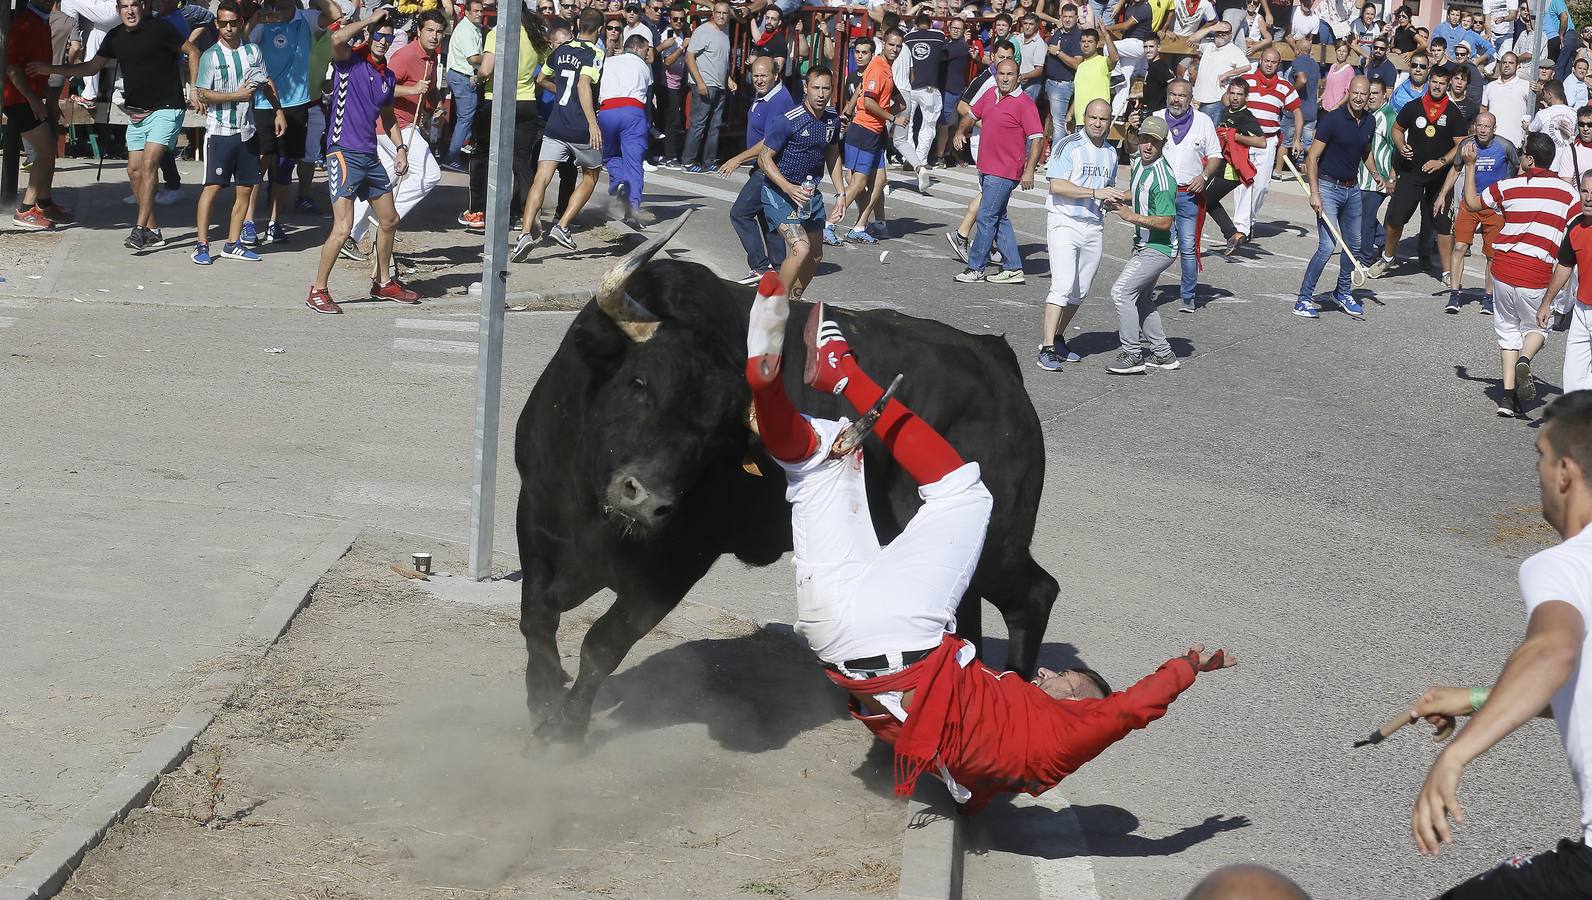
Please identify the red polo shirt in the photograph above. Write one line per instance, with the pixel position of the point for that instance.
(29, 41)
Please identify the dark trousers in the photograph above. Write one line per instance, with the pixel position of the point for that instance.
(702, 141)
(1220, 188)
(527, 144)
(168, 170)
(763, 251)
(672, 104)
(1560, 874)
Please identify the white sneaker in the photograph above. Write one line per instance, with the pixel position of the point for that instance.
(648, 167)
(923, 179)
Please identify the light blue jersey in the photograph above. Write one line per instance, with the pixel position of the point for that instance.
(286, 46)
(1079, 161)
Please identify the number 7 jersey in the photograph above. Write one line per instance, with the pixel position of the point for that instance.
(572, 61)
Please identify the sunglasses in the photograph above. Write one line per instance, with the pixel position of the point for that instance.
(1419, 66)
(1583, 124)
(228, 23)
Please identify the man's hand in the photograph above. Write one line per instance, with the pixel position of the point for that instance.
(1210, 662)
(702, 91)
(1197, 185)
(1110, 195)
(1440, 204)
(400, 162)
(1027, 181)
(802, 194)
(37, 105)
(196, 103)
(281, 123)
(1441, 705)
(1406, 152)
(729, 166)
(903, 120)
(1467, 152)
(732, 85)
(594, 136)
(1435, 803)
(35, 69)
(1296, 148)
(1544, 316)
(1431, 166)
(959, 142)
(1315, 202)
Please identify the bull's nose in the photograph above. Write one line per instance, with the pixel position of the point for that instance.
(628, 494)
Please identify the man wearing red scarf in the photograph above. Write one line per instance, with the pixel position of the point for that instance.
(1426, 135)
(881, 618)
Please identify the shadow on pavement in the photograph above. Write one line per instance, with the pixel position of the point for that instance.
(1106, 831)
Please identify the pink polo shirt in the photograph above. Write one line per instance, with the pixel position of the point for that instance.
(1006, 124)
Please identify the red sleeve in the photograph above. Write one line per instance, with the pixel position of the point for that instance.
(1101, 723)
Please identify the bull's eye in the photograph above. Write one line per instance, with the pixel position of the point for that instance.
(639, 383)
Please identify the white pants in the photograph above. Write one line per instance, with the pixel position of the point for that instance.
(422, 176)
(1248, 198)
(1515, 313)
(855, 598)
(1075, 251)
(101, 16)
(927, 102)
(1578, 350)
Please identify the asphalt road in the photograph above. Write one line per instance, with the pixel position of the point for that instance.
(1334, 500)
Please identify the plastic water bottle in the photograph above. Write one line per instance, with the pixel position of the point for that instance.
(809, 184)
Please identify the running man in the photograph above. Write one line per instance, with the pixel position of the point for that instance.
(572, 135)
(622, 117)
(1083, 177)
(1496, 159)
(1574, 251)
(880, 618)
(797, 147)
(1426, 135)
(1008, 154)
(1153, 195)
(1343, 141)
(1536, 206)
(865, 141)
(28, 115)
(1543, 677)
(362, 93)
(230, 73)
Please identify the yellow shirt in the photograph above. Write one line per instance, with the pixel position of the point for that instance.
(1092, 81)
(530, 61)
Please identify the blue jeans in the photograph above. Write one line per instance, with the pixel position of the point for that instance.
(1214, 110)
(702, 140)
(1372, 235)
(1035, 90)
(746, 217)
(1342, 205)
(1060, 94)
(993, 227)
(464, 104)
(1188, 211)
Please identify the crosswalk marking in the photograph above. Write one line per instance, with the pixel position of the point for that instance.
(425, 345)
(439, 325)
(695, 187)
(6, 323)
(425, 368)
(970, 193)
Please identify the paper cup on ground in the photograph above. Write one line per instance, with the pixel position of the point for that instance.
(422, 562)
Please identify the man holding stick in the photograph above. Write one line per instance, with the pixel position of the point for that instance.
(1343, 141)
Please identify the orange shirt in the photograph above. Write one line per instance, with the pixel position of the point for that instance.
(878, 83)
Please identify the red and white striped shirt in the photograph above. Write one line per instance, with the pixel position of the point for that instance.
(1268, 97)
(1537, 206)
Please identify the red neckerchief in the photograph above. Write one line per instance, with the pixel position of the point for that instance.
(1433, 111)
(379, 66)
(1581, 143)
(1262, 81)
(1539, 172)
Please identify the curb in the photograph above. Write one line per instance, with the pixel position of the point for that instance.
(46, 869)
(931, 845)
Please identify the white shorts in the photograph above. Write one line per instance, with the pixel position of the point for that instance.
(1515, 313)
(855, 598)
(1075, 251)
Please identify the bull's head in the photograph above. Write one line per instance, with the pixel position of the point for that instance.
(669, 395)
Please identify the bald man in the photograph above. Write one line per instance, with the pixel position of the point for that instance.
(1245, 881)
(1496, 159)
(772, 100)
(1083, 177)
(1343, 141)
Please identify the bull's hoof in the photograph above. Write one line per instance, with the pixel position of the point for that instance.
(561, 728)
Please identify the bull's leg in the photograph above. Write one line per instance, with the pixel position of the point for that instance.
(1024, 600)
(970, 619)
(540, 609)
(633, 614)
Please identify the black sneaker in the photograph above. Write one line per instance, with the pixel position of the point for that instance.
(1126, 363)
(153, 238)
(135, 239)
(1453, 303)
(1525, 387)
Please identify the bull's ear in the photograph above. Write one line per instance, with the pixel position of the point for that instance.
(599, 341)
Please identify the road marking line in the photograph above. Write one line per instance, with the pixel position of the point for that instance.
(433, 368)
(421, 345)
(439, 325)
(1072, 875)
(692, 187)
(970, 193)
(6, 323)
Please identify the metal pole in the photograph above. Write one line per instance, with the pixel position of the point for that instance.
(494, 283)
(11, 149)
(1536, 52)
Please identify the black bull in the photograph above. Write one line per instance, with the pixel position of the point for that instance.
(632, 456)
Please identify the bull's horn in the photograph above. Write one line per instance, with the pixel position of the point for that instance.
(851, 437)
(635, 320)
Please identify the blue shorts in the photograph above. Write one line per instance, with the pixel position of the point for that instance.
(350, 173)
(948, 103)
(778, 210)
(229, 158)
(161, 126)
(864, 150)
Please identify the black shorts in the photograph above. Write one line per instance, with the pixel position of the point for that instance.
(1414, 190)
(228, 158)
(21, 119)
(1443, 222)
(1559, 874)
(292, 143)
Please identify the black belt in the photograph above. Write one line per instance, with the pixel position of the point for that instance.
(879, 662)
(1344, 182)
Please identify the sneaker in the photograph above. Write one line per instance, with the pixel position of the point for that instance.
(1486, 305)
(880, 230)
(56, 213)
(923, 179)
(1525, 387)
(1048, 360)
(350, 250)
(130, 200)
(31, 219)
(523, 247)
(696, 169)
(831, 238)
(996, 257)
(1126, 363)
(274, 233)
(561, 234)
(455, 168)
(1007, 276)
(201, 254)
(968, 276)
(466, 217)
(1509, 407)
(321, 301)
(1066, 354)
(251, 236)
(153, 238)
(305, 204)
(1165, 361)
(959, 244)
(1305, 310)
(1186, 304)
(395, 291)
(827, 349)
(167, 196)
(238, 251)
(1453, 303)
(859, 236)
(475, 221)
(765, 331)
(753, 276)
(1380, 267)
(647, 166)
(670, 163)
(1348, 304)
(134, 240)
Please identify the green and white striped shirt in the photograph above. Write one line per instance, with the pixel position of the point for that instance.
(224, 71)
(1381, 149)
(1154, 194)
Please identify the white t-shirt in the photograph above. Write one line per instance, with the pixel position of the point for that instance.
(1558, 122)
(1079, 161)
(1565, 573)
(1214, 63)
(1492, 9)
(624, 75)
(1305, 24)
(1187, 157)
(1184, 24)
(1033, 54)
(1510, 103)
